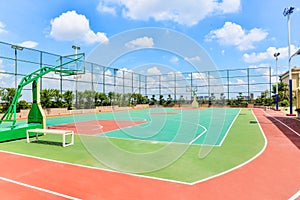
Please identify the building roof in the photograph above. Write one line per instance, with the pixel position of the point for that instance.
(295, 70)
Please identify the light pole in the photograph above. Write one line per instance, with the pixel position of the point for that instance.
(287, 12)
(76, 48)
(76, 84)
(16, 48)
(276, 56)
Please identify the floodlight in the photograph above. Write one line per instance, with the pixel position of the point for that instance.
(276, 54)
(76, 47)
(17, 47)
(296, 53)
(288, 11)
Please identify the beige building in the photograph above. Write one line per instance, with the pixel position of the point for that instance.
(296, 84)
(295, 78)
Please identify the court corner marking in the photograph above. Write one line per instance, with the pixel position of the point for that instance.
(243, 164)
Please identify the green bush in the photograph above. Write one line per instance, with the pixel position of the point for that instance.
(23, 105)
(284, 103)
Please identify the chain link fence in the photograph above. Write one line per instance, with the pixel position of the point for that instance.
(16, 62)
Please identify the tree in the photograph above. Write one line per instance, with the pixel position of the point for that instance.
(100, 99)
(212, 98)
(282, 91)
(46, 98)
(162, 101)
(181, 100)
(68, 97)
(56, 98)
(8, 95)
(89, 98)
(80, 101)
(153, 101)
(22, 105)
(133, 99)
(146, 100)
(111, 97)
(222, 99)
(264, 99)
(240, 98)
(169, 101)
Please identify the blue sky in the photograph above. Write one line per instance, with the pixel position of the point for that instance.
(234, 33)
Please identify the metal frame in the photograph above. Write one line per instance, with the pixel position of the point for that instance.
(129, 82)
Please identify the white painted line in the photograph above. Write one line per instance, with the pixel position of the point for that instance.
(295, 196)
(200, 135)
(243, 164)
(149, 177)
(95, 168)
(224, 137)
(283, 124)
(38, 188)
(191, 142)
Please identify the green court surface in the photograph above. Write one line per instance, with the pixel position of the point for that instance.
(155, 153)
(208, 126)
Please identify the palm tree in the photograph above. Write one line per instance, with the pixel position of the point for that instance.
(68, 97)
(46, 98)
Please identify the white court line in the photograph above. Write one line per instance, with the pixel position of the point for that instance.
(224, 137)
(143, 176)
(283, 124)
(200, 135)
(38, 188)
(295, 196)
(149, 177)
(96, 168)
(242, 164)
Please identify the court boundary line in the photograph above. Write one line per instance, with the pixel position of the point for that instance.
(246, 162)
(38, 188)
(196, 138)
(151, 177)
(154, 141)
(223, 139)
(295, 196)
(95, 168)
(199, 136)
(283, 124)
(164, 142)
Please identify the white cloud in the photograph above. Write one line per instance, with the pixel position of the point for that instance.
(102, 8)
(29, 44)
(234, 35)
(229, 6)
(2, 72)
(188, 12)
(194, 59)
(240, 81)
(153, 71)
(264, 70)
(2, 27)
(174, 60)
(177, 73)
(199, 75)
(70, 26)
(142, 42)
(237, 81)
(223, 52)
(268, 54)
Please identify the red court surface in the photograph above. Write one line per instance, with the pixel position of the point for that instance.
(93, 127)
(275, 174)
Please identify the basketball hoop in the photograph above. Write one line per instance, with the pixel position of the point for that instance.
(76, 77)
